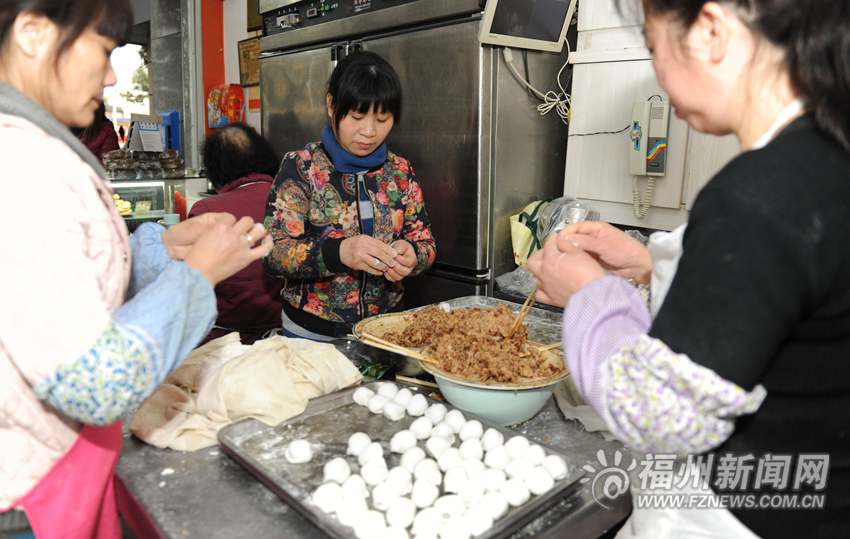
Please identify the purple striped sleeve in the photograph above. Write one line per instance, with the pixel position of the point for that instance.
(599, 320)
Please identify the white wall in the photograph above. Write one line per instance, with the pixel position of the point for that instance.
(613, 69)
(235, 22)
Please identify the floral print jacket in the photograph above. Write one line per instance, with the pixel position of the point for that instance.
(312, 207)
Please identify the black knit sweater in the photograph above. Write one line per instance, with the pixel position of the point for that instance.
(762, 296)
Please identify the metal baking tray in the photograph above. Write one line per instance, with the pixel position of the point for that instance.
(327, 423)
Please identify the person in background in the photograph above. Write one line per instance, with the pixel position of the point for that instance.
(241, 165)
(347, 215)
(100, 137)
(91, 320)
(744, 348)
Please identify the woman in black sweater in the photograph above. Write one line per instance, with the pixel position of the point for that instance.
(743, 356)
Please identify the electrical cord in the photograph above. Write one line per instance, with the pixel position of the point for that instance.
(600, 132)
(559, 101)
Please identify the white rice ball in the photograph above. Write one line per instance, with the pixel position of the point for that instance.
(358, 442)
(375, 471)
(539, 481)
(401, 513)
(376, 404)
(436, 412)
(362, 395)
(497, 457)
(471, 429)
(424, 494)
(428, 471)
(403, 397)
(491, 439)
(388, 390)
(517, 447)
(336, 470)
(328, 497)
(372, 451)
(298, 452)
(402, 441)
(417, 406)
(556, 467)
(472, 449)
(515, 492)
(455, 420)
(421, 427)
(412, 457)
(436, 446)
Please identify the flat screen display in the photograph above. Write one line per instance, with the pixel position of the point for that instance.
(540, 20)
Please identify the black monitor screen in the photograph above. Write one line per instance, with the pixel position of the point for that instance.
(530, 19)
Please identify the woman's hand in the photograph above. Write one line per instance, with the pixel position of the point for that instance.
(365, 253)
(615, 250)
(560, 273)
(223, 249)
(405, 261)
(179, 238)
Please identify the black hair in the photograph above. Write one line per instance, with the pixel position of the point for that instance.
(109, 18)
(362, 80)
(236, 151)
(815, 37)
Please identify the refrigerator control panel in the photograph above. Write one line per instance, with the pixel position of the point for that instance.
(313, 12)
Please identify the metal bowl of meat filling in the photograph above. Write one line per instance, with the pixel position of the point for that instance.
(479, 366)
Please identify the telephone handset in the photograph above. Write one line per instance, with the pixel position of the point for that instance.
(648, 149)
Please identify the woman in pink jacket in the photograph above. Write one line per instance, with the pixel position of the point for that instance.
(91, 320)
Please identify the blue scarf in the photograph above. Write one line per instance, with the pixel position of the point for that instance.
(349, 163)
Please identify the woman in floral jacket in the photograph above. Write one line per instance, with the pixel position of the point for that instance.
(348, 216)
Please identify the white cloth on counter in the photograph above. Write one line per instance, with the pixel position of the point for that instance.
(573, 406)
(224, 381)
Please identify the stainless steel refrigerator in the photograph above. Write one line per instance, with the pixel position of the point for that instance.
(477, 144)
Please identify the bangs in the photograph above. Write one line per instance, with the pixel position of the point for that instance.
(115, 21)
(362, 81)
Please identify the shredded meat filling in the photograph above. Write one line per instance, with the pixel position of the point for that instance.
(474, 344)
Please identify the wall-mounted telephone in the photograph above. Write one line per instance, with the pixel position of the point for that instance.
(648, 149)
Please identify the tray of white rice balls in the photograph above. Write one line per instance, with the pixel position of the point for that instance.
(385, 461)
